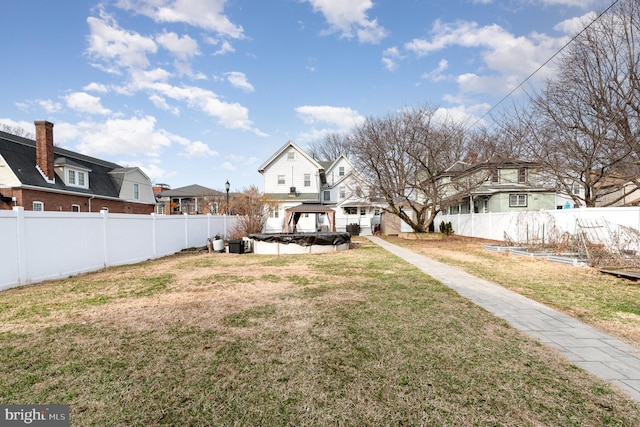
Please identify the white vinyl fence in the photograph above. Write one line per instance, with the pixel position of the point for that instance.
(38, 246)
(544, 225)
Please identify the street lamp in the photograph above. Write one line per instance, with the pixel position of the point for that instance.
(227, 186)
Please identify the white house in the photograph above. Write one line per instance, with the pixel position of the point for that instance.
(298, 182)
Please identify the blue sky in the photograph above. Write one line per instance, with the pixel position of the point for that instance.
(204, 91)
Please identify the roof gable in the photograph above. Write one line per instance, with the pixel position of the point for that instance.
(284, 148)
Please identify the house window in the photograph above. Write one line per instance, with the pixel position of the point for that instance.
(75, 208)
(136, 191)
(517, 200)
(291, 155)
(280, 179)
(341, 171)
(307, 180)
(351, 211)
(522, 175)
(342, 193)
(363, 212)
(495, 176)
(38, 206)
(326, 196)
(275, 213)
(77, 178)
(104, 209)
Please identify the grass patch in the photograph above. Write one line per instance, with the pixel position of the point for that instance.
(609, 303)
(261, 341)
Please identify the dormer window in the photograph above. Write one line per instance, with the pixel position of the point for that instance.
(72, 173)
(77, 178)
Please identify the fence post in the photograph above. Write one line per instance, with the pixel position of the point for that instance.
(105, 235)
(186, 230)
(22, 251)
(154, 231)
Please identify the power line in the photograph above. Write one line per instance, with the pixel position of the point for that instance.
(543, 64)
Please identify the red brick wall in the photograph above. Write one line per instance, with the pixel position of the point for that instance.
(64, 202)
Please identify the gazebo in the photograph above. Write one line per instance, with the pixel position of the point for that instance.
(293, 214)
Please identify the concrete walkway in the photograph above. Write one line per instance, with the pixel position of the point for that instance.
(588, 348)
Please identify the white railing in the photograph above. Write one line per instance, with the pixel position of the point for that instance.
(536, 225)
(39, 246)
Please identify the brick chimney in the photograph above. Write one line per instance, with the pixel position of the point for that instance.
(44, 148)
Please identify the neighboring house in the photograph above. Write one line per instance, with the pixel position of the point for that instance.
(299, 184)
(192, 200)
(42, 177)
(616, 192)
(497, 185)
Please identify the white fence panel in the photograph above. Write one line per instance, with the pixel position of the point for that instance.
(57, 245)
(169, 234)
(49, 245)
(536, 225)
(10, 256)
(130, 238)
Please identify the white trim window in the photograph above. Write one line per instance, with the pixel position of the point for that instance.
(37, 206)
(326, 196)
(341, 171)
(307, 180)
(517, 200)
(343, 193)
(75, 208)
(136, 191)
(77, 178)
(291, 155)
(280, 179)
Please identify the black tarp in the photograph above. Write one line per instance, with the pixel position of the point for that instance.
(304, 239)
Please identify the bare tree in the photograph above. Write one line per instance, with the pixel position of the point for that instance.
(16, 130)
(253, 208)
(401, 157)
(331, 147)
(584, 126)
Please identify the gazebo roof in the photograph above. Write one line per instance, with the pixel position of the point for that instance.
(310, 207)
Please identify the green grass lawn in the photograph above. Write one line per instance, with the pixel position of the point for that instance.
(354, 338)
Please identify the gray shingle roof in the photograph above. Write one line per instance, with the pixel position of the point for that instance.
(20, 155)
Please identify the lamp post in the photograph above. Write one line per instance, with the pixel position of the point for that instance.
(227, 186)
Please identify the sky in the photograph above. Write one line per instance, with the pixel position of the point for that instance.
(205, 91)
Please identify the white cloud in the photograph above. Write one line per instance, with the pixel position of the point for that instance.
(133, 136)
(49, 106)
(96, 87)
(583, 4)
(85, 103)
(349, 17)
(197, 149)
(228, 166)
(225, 46)
(205, 14)
(239, 80)
(506, 59)
(575, 25)
(436, 74)
(342, 118)
(389, 57)
(182, 47)
(162, 104)
(117, 47)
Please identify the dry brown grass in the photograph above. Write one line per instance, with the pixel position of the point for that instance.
(350, 338)
(609, 303)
